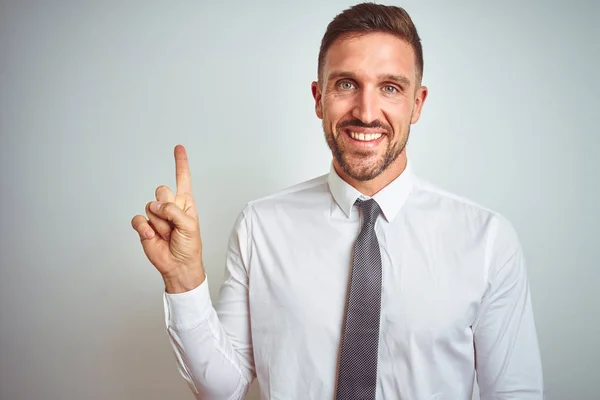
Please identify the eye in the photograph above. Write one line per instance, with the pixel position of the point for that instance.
(346, 85)
(390, 89)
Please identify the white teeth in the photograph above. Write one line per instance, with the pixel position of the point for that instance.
(365, 137)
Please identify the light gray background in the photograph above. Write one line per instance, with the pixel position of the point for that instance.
(95, 95)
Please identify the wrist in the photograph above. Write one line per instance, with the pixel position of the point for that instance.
(183, 282)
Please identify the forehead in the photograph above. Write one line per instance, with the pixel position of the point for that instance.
(370, 55)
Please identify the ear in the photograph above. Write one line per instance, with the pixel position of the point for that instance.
(420, 96)
(317, 95)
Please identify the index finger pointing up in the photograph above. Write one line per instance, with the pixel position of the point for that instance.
(183, 177)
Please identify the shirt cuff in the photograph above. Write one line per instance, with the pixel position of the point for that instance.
(189, 309)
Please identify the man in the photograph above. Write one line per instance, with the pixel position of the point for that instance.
(364, 283)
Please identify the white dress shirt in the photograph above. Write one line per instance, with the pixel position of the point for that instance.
(455, 299)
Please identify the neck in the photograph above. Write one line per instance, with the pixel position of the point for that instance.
(370, 188)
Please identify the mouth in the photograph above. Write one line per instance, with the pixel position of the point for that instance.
(364, 138)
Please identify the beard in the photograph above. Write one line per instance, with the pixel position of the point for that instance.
(365, 165)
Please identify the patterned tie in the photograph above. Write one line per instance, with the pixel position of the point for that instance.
(357, 376)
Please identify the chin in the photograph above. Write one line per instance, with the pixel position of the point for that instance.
(363, 171)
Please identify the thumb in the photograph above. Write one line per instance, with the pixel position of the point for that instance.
(172, 213)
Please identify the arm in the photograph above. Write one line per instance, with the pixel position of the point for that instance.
(214, 350)
(507, 357)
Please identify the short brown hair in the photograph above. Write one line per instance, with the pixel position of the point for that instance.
(371, 18)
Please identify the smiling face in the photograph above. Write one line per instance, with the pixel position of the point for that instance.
(368, 96)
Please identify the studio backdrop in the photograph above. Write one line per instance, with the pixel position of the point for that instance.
(94, 95)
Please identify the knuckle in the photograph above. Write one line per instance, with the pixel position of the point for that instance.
(168, 207)
(160, 223)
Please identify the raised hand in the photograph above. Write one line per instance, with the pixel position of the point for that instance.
(170, 235)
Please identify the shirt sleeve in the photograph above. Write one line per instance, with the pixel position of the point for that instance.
(507, 356)
(212, 345)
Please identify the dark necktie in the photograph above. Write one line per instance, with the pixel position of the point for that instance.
(357, 375)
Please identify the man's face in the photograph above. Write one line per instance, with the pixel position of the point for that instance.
(367, 98)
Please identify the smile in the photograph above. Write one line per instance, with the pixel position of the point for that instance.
(364, 140)
(364, 137)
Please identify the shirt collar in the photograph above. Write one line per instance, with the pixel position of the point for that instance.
(390, 199)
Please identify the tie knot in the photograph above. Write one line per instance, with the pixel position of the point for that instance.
(370, 210)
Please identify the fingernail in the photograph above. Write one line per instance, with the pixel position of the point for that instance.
(155, 206)
(149, 234)
(167, 235)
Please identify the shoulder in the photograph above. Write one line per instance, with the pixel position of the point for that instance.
(297, 191)
(298, 195)
(428, 192)
(466, 222)
(458, 209)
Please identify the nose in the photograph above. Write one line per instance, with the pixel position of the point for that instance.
(366, 106)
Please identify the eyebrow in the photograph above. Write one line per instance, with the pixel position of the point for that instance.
(400, 79)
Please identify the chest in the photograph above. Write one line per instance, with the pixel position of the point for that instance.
(432, 280)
